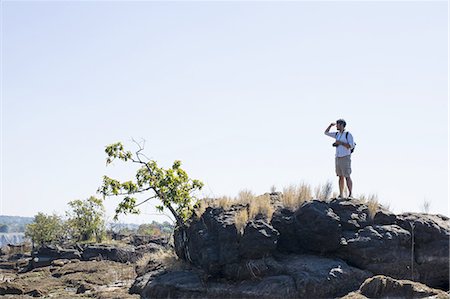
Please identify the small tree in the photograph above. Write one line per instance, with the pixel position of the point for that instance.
(86, 220)
(172, 186)
(45, 229)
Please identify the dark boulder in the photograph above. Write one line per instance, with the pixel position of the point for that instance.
(380, 249)
(283, 220)
(146, 273)
(384, 217)
(320, 277)
(431, 246)
(209, 242)
(259, 240)
(47, 253)
(106, 252)
(353, 214)
(318, 227)
(175, 284)
(57, 252)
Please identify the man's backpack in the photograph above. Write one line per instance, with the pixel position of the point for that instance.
(353, 148)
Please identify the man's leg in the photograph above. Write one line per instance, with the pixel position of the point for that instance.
(341, 186)
(349, 186)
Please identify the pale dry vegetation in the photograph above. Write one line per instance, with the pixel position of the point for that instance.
(241, 219)
(166, 257)
(323, 192)
(294, 195)
(245, 196)
(261, 205)
(372, 203)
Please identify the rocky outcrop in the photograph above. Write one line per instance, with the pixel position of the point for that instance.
(213, 241)
(45, 255)
(322, 249)
(287, 276)
(321, 277)
(381, 286)
(112, 253)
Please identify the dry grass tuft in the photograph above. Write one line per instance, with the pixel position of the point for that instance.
(224, 202)
(142, 263)
(245, 196)
(293, 196)
(261, 205)
(372, 204)
(240, 220)
(166, 257)
(323, 192)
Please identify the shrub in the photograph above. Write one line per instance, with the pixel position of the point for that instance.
(86, 220)
(45, 229)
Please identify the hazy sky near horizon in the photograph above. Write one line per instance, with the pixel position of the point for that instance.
(240, 92)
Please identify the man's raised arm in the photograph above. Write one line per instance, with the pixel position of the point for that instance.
(329, 127)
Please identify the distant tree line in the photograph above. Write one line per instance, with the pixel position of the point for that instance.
(154, 229)
(85, 222)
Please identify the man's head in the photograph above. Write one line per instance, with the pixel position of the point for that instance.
(341, 122)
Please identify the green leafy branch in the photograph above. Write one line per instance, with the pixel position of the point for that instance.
(171, 186)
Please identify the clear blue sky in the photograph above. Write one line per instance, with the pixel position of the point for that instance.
(241, 92)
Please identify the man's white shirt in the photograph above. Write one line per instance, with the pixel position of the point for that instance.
(342, 151)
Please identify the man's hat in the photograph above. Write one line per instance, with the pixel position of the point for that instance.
(341, 121)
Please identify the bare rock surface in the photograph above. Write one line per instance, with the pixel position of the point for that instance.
(384, 249)
(287, 276)
(431, 235)
(381, 286)
(82, 279)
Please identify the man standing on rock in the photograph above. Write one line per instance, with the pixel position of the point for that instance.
(344, 147)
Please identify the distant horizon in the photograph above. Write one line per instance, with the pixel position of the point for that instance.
(121, 223)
